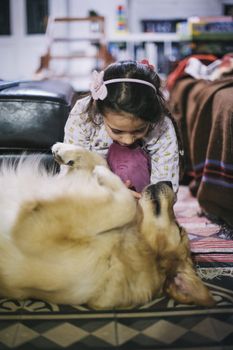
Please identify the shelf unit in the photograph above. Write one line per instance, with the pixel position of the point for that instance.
(75, 46)
(153, 46)
(208, 35)
(144, 37)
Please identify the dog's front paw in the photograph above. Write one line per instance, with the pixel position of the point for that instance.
(106, 178)
(101, 173)
(68, 154)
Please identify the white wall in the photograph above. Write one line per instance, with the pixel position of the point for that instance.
(20, 53)
(106, 8)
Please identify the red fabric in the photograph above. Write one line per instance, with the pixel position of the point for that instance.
(179, 70)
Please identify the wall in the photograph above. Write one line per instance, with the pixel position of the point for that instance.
(20, 53)
(106, 8)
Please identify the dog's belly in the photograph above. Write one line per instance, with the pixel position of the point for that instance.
(95, 276)
(59, 279)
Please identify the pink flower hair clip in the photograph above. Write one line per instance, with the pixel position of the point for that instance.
(97, 86)
(146, 62)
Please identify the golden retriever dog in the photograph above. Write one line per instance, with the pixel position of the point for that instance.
(80, 237)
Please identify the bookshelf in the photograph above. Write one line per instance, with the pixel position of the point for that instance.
(158, 48)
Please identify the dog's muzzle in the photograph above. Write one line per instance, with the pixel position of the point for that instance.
(156, 192)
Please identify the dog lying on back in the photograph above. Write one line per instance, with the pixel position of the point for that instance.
(81, 238)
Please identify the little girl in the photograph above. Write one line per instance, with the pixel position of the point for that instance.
(124, 118)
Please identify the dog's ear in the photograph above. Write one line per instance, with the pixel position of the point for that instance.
(187, 288)
(183, 284)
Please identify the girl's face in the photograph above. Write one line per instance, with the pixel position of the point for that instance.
(125, 129)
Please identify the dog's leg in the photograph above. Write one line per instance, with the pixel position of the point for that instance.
(76, 157)
(106, 178)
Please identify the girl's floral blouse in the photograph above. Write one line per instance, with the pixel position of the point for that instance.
(160, 142)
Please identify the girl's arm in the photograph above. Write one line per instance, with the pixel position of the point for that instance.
(77, 130)
(164, 151)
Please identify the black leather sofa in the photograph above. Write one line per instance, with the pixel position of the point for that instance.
(32, 117)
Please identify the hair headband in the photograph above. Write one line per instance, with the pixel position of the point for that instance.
(98, 84)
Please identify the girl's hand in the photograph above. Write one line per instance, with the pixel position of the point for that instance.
(136, 195)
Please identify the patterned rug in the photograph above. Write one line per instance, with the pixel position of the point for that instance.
(209, 242)
(161, 324)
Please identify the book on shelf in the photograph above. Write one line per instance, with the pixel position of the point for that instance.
(206, 28)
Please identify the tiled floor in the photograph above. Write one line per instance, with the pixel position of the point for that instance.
(159, 325)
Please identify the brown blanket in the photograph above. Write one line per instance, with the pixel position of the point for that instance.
(204, 112)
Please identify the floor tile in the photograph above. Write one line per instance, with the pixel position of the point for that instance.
(10, 317)
(184, 330)
(8, 333)
(68, 333)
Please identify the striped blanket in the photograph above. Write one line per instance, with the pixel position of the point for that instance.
(204, 112)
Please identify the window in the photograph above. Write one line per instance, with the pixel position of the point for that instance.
(37, 15)
(228, 10)
(5, 17)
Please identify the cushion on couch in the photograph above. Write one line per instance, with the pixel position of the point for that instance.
(32, 116)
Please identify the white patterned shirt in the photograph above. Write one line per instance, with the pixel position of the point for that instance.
(160, 143)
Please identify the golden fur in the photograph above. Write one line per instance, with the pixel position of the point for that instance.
(81, 237)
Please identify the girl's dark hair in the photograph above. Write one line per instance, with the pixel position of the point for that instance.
(136, 99)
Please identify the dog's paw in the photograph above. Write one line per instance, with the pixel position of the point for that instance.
(101, 173)
(106, 178)
(68, 154)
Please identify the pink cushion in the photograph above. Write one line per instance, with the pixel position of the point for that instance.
(130, 163)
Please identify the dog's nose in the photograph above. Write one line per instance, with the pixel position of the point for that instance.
(161, 191)
(159, 186)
